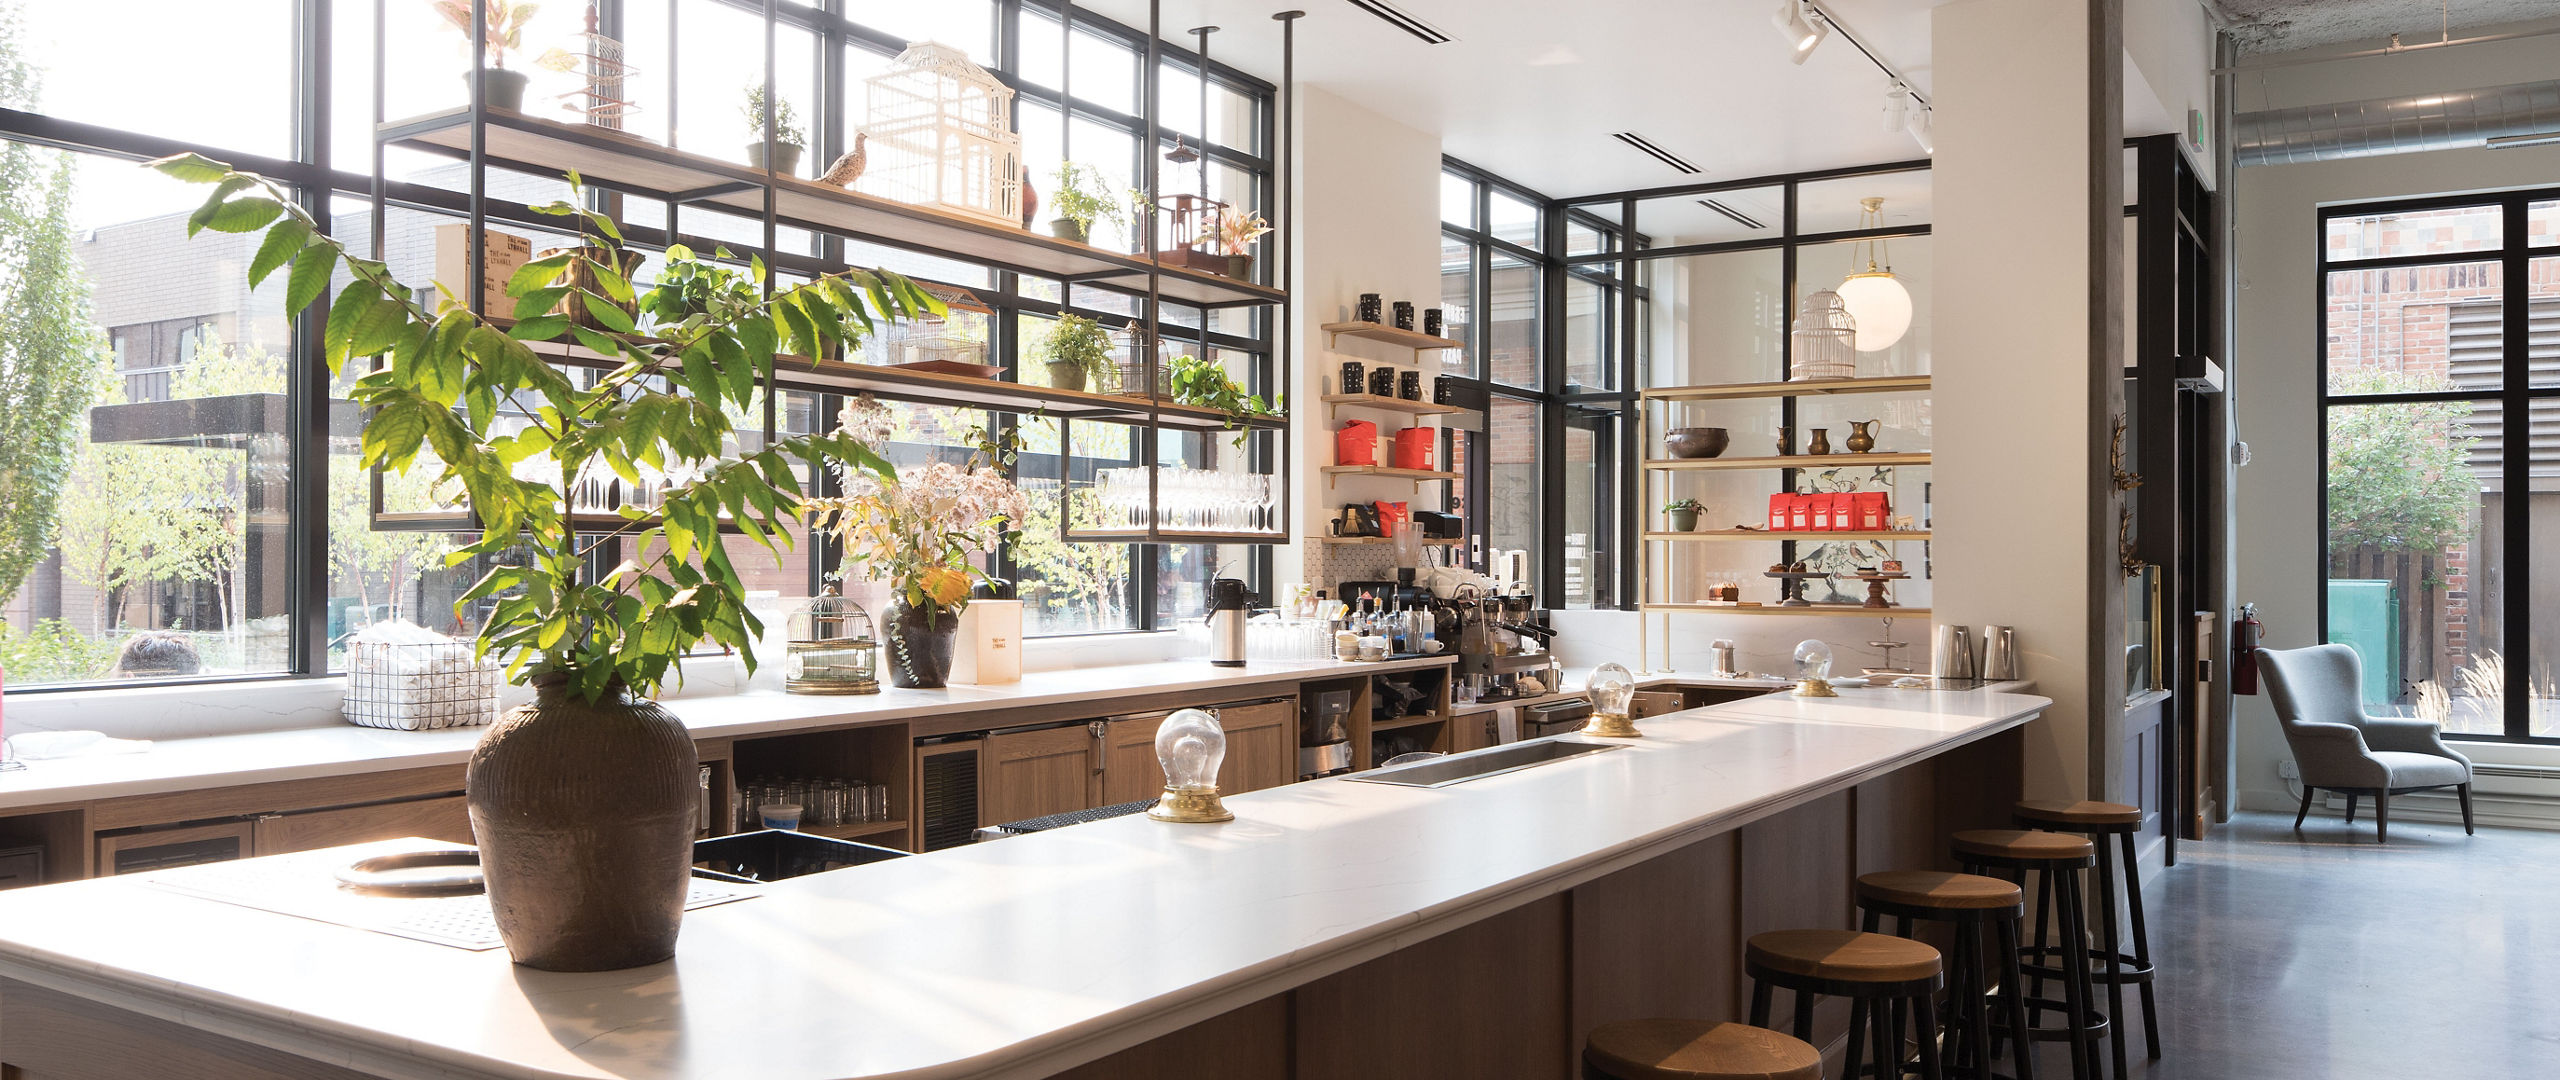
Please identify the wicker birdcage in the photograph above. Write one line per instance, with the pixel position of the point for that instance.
(941, 134)
(1826, 340)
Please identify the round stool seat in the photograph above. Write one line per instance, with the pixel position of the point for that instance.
(2078, 816)
(2023, 844)
(1939, 890)
(1841, 956)
(1698, 1050)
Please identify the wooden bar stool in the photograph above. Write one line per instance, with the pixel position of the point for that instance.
(1969, 902)
(1872, 970)
(1695, 1050)
(2059, 857)
(2114, 968)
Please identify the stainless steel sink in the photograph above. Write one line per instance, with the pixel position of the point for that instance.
(1477, 764)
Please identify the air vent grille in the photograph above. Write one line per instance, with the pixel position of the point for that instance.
(1735, 216)
(949, 805)
(1403, 20)
(1655, 151)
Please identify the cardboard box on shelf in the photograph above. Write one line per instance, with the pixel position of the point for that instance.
(503, 254)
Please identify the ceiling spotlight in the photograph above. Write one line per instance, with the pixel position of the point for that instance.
(1803, 25)
(1919, 128)
(1897, 106)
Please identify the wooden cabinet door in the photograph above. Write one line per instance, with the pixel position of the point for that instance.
(443, 819)
(1035, 773)
(1262, 746)
(1644, 703)
(154, 849)
(1129, 769)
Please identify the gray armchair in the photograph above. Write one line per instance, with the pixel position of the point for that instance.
(2341, 748)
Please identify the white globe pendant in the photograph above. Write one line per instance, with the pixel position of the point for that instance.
(1881, 306)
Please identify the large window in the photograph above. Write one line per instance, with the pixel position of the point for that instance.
(174, 503)
(2440, 321)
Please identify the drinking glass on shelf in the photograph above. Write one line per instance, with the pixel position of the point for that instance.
(877, 803)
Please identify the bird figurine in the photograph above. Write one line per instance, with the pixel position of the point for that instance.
(848, 168)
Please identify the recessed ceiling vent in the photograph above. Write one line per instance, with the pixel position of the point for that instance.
(1657, 153)
(1735, 216)
(1403, 20)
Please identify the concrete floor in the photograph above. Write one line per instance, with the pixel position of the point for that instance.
(2324, 956)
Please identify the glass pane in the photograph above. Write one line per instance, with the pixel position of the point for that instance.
(2542, 223)
(1457, 200)
(1072, 588)
(1457, 299)
(1590, 335)
(2418, 232)
(218, 76)
(2415, 328)
(1514, 219)
(1513, 520)
(1715, 319)
(967, 24)
(1109, 151)
(2542, 301)
(2416, 558)
(1824, 206)
(1877, 303)
(1105, 71)
(1722, 217)
(1581, 238)
(1511, 327)
(1591, 508)
(150, 383)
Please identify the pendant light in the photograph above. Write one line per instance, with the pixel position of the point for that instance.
(1874, 297)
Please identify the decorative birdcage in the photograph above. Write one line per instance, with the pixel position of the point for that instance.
(941, 133)
(955, 343)
(1826, 340)
(601, 98)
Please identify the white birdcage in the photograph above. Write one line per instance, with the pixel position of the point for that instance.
(940, 132)
(1826, 339)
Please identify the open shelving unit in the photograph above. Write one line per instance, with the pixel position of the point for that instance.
(1411, 339)
(1394, 405)
(1704, 536)
(1787, 461)
(1876, 384)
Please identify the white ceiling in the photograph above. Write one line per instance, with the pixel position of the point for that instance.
(1532, 89)
(2272, 26)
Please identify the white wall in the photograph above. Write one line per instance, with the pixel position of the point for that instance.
(2276, 363)
(2168, 47)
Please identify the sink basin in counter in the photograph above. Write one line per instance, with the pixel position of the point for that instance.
(1478, 764)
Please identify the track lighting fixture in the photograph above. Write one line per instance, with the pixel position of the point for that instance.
(1897, 106)
(1803, 25)
(1919, 128)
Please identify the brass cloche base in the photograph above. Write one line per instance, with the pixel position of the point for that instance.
(1191, 807)
(1611, 726)
(1815, 688)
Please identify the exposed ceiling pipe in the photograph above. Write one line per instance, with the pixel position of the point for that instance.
(2451, 120)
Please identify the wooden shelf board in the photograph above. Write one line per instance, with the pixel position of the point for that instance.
(1388, 404)
(1815, 537)
(1373, 540)
(1789, 461)
(1878, 384)
(1411, 339)
(1416, 475)
(1401, 722)
(1136, 536)
(855, 829)
(1848, 610)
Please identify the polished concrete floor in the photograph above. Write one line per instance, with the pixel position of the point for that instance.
(2325, 956)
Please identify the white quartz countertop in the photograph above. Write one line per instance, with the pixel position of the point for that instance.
(1015, 958)
(343, 749)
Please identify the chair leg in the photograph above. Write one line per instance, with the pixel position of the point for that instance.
(1931, 1068)
(2075, 975)
(2142, 951)
(2305, 812)
(2382, 816)
(2351, 808)
(2465, 791)
(1804, 1014)
(2012, 994)
(1859, 1035)
(1760, 992)
(2111, 972)
(2041, 934)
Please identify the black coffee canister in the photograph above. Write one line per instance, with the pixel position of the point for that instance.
(1431, 321)
(1404, 314)
(1409, 386)
(1442, 389)
(1354, 378)
(1369, 310)
(1382, 382)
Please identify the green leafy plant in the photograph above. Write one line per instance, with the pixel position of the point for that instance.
(2399, 475)
(1205, 384)
(442, 381)
(1083, 196)
(503, 28)
(1677, 505)
(786, 120)
(1082, 343)
(51, 651)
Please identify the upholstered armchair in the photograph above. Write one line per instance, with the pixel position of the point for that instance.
(2341, 748)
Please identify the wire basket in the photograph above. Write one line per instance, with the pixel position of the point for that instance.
(418, 687)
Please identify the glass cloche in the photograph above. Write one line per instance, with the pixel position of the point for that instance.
(1813, 668)
(1190, 746)
(1613, 690)
(832, 650)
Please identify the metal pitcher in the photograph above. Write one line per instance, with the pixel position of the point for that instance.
(1951, 653)
(1999, 654)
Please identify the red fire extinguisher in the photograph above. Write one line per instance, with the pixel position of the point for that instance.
(2245, 635)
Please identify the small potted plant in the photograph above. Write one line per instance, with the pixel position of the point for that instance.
(1081, 198)
(1078, 352)
(1237, 231)
(1684, 514)
(787, 138)
(503, 30)
(1206, 384)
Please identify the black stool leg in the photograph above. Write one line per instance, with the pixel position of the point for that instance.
(1926, 1009)
(2075, 972)
(1974, 998)
(1804, 1014)
(1760, 992)
(2013, 994)
(1859, 1025)
(2142, 951)
(2113, 972)
(2044, 905)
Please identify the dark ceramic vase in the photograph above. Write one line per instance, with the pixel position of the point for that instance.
(585, 816)
(920, 642)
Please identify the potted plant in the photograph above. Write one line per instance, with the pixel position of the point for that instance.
(502, 30)
(923, 533)
(786, 140)
(1078, 353)
(1684, 514)
(1237, 231)
(583, 800)
(1206, 384)
(1081, 198)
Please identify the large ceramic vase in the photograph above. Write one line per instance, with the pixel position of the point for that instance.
(585, 816)
(920, 643)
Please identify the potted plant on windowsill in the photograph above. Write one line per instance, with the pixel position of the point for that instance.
(1237, 232)
(583, 801)
(1081, 198)
(1077, 353)
(502, 30)
(787, 139)
(1684, 514)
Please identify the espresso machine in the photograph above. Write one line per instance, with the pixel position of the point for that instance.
(1505, 646)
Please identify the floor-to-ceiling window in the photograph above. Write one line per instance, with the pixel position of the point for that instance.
(2440, 325)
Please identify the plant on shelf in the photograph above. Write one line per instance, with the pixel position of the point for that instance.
(502, 30)
(1082, 196)
(787, 136)
(923, 532)
(1684, 514)
(1237, 232)
(1077, 352)
(582, 800)
(1205, 384)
